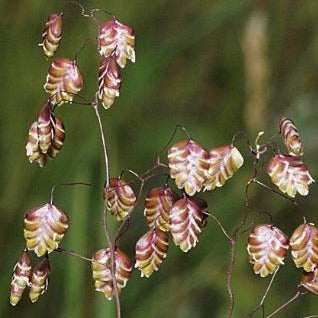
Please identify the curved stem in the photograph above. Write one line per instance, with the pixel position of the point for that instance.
(105, 221)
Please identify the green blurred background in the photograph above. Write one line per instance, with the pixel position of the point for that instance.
(214, 66)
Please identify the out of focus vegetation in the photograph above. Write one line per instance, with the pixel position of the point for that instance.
(214, 66)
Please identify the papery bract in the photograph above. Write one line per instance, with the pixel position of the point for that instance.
(117, 39)
(109, 81)
(101, 268)
(120, 198)
(290, 133)
(158, 205)
(223, 163)
(52, 33)
(44, 228)
(188, 163)
(63, 81)
(304, 246)
(267, 248)
(151, 250)
(309, 281)
(39, 280)
(20, 277)
(290, 174)
(187, 219)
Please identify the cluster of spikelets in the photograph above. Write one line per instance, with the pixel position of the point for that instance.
(44, 228)
(182, 215)
(64, 81)
(268, 247)
(289, 172)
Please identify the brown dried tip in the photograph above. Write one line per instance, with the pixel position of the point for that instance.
(189, 164)
(304, 246)
(46, 137)
(44, 228)
(120, 198)
(20, 277)
(39, 280)
(52, 33)
(117, 39)
(187, 220)
(223, 163)
(101, 268)
(158, 204)
(290, 133)
(290, 174)
(109, 81)
(63, 81)
(267, 248)
(151, 250)
(310, 281)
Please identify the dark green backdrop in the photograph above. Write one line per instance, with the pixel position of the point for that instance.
(194, 66)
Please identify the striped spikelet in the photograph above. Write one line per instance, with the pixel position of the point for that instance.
(39, 280)
(44, 228)
(267, 248)
(63, 81)
(20, 277)
(52, 34)
(151, 250)
(309, 281)
(101, 271)
(290, 133)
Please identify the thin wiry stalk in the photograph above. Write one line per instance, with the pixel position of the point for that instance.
(105, 220)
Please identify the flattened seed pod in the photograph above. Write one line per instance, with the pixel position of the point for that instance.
(290, 133)
(187, 220)
(52, 33)
(101, 269)
(46, 137)
(109, 81)
(20, 277)
(44, 228)
(63, 81)
(189, 164)
(304, 246)
(290, 174)
(158, 205)
(151, 250)
(310, 281)
(115, 38)
(39, 280)
(267, 248)
(223, 163)
(120, 198)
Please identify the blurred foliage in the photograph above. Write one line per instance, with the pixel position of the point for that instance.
(191, 69)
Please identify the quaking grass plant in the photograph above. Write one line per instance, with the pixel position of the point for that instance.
(172, 209)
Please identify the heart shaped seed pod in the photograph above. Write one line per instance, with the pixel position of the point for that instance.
(63, 81)
(117, 39)
(158, 204)
(187, 220)
(39, 280)
(223, 163)
(309, 281)
(109, 81)
(52, 34)
(151, 250)
(20, 277)
(290, 174)
(304, 246)
(101, 268)
(188, 163)
(44, 228)
(267, 248)
(120, 198)
(290, 133)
